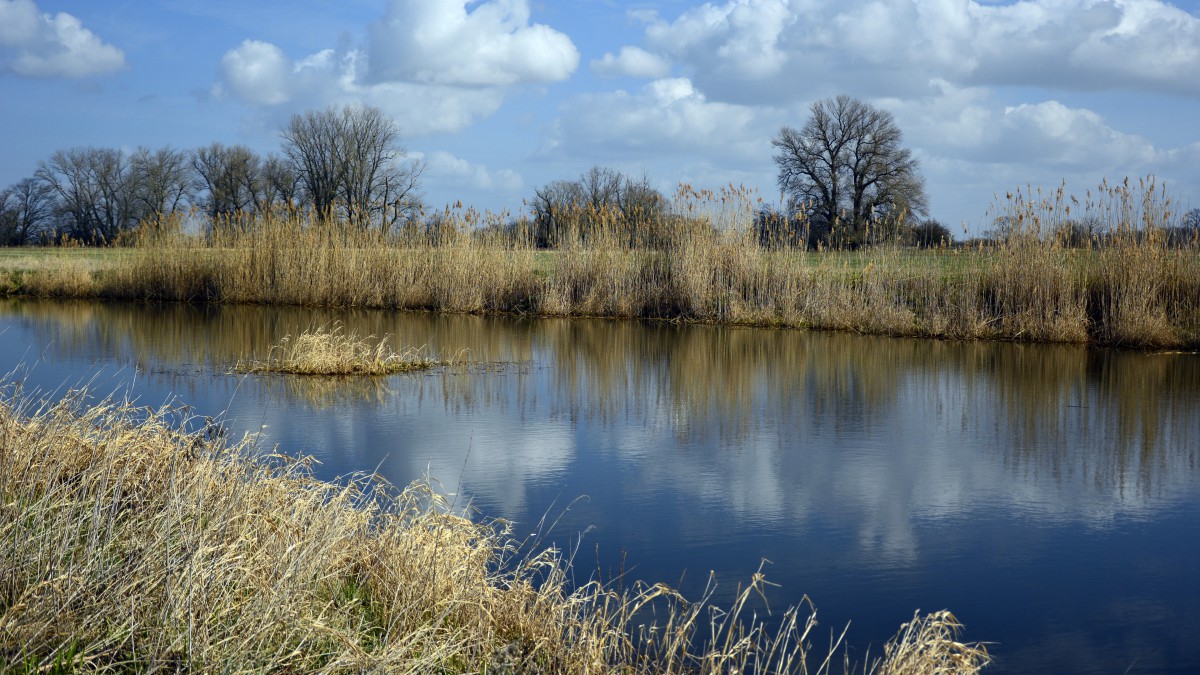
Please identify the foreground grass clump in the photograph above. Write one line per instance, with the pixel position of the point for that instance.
(127, 544)
(330, 351)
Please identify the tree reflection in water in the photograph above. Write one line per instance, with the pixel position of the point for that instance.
(1036, 490)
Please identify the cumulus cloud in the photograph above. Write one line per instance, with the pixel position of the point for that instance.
(258, 71)
(742, 38)
(1071, 137)
(441, 42)
(969, 124)
(433, 66)
(34, 44)
(764, 50)
(631, 62)
(261, 74)
(973, 146)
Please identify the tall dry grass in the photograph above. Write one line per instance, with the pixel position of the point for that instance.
(329, 350)
(1130, 281)
(130, 544)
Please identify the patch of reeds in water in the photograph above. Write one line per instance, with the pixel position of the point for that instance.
(331, 351)
(128, 544)
(1109, 270)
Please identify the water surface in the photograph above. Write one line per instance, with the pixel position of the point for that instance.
(1048, 495)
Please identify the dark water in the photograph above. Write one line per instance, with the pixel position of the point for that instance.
(1049, 496)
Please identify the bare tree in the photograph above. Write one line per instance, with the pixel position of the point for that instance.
(25, 212)
(161, 181)
(1187, 233)
(601, 187)
(847, 168)
(228, 178)
(369, 150)
(311, 143)
(93, 191)
(1191, 219)
(349, 162)
(554, 206)
(281, 181)
(399, 195)
(564, 211)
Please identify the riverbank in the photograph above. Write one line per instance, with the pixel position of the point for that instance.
(129, 543)
(1131, 284)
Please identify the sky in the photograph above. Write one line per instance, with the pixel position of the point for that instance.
(500, 97)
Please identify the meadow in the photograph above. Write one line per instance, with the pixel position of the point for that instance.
(1129, 281)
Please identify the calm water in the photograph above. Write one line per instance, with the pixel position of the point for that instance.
(1049, 496)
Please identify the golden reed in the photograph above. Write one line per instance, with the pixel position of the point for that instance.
(130, 544)
(1110, 270)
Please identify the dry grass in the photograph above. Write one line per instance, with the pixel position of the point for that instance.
(330, 351)
(1127, 285)
(929, 644)
(128, 544)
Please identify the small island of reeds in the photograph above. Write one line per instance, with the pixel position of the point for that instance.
(330, 351)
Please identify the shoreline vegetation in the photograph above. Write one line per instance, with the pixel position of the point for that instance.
(330, 351)
(1112, 270)
(129, 543)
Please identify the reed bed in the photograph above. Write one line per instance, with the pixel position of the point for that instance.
(129, 543)
(1130, 281)
(331, 351)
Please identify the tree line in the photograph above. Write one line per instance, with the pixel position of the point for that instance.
(846, 180)
(846, 177)
(345, 164)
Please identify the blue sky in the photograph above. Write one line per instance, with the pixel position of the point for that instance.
(499, 97)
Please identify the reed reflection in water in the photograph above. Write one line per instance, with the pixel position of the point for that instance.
(1041, 492)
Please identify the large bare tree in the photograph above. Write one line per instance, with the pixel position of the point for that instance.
(847, 168)
(26, 209)
(349, 162)
(93, 191)
(160, 181)
(282, 183)
(228, 179)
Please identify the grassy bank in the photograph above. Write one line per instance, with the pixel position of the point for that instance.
(128, 544)
(1127, 283)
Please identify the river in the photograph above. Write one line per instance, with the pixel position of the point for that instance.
(1048, 495)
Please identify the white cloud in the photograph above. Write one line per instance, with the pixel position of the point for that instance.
(773, 50)
(1077, 138)
(495, 458)
(417, 67)
(738, 42)
(631, 62)
(968, 124)
(456, 172)
(973, 146)
(259, 72)
(492, 44)
(34, 44)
